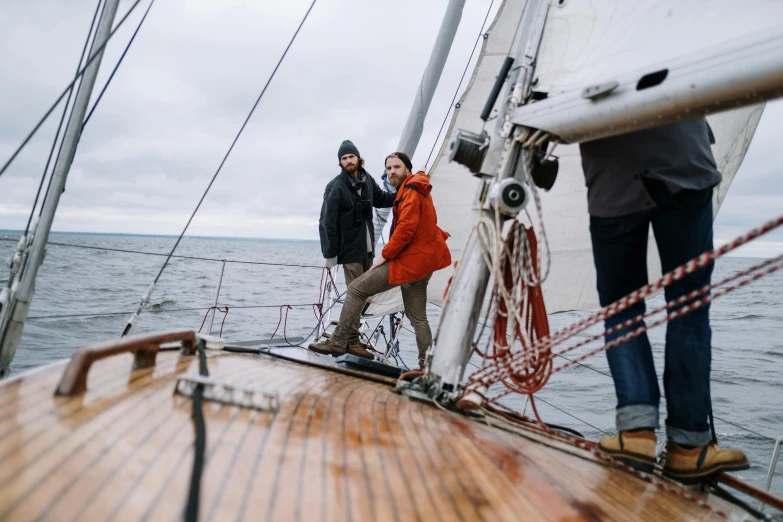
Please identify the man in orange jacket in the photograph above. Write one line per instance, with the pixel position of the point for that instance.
(416, 249)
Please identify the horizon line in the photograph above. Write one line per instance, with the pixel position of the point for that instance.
(134, 234)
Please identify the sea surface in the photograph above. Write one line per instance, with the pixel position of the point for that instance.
(84, 295)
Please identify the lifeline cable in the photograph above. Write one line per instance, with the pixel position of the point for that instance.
(126, 251)
(145, 299)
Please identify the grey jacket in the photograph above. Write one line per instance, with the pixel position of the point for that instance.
(639, 170)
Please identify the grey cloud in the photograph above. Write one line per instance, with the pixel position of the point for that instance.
(192, 75)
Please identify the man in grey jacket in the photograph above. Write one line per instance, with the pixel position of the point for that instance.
(346, 224)
(662, 178)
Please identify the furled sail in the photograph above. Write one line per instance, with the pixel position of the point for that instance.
(586, 43)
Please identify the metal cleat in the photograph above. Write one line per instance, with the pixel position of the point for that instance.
(227, 393)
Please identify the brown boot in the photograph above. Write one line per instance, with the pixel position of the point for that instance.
(691, 466)
(635, 449)
(327, 347)
(359, 351)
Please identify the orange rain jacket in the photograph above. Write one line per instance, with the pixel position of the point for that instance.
(416, 247)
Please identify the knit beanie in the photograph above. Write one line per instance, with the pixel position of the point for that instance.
(347, 147)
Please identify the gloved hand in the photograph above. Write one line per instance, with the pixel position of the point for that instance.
(330, 262)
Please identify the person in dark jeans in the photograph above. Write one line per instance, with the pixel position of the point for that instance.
(346, 224)
(664, 178)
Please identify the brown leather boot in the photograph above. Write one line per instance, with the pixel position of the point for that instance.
(691, 466)
(635, 449)
(359, 351)
(327, 347)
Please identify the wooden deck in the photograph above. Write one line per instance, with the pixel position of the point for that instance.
(339, 448)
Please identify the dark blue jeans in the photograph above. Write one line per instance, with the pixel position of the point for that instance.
(682, 225)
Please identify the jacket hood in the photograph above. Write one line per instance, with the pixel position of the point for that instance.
(419, 182)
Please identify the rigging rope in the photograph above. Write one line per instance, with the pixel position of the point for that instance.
(526, 362)
(199, 441)
(662, 483)
(116, 67)
(145, 299)
(236, 139)
(62, 121)
(456, 92)
(48, 113)
(105, 86)
(225, 314)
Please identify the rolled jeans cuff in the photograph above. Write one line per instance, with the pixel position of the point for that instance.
(637, 416)
(687, 437)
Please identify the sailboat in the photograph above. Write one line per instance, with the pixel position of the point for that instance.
(172, 424)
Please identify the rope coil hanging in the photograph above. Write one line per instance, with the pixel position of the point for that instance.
(526, 361)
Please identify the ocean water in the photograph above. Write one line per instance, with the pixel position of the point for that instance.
(83, 284)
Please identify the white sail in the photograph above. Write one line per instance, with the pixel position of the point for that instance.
(591, 42)
(584, 43)
(453, 187)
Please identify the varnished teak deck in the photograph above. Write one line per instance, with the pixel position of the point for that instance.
(339, 448)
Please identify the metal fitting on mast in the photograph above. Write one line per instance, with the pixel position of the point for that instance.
(499, 154)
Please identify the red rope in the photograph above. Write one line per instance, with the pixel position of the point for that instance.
(749, 275)
(285, 323)
(225, 314)
(517, 362)
(531, 377)
(592, 448)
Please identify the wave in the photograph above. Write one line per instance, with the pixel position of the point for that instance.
(165, 302)
(746, 317)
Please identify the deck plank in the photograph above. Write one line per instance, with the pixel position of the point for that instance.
(339, 448)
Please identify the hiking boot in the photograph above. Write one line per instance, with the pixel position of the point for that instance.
(327, 347)
(359, 351)
(691, 466)
(366, 346)
(635, 449)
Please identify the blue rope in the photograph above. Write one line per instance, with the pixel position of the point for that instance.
(384, 177)
(111, 76)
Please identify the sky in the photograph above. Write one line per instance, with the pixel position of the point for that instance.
(189, 81)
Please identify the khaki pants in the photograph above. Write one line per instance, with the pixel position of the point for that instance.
(352, 271)
(414, 297)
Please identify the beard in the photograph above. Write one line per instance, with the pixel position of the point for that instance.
(395, 181)
(350, 168)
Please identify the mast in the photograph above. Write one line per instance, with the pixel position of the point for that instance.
(453, 341)
(411, 134)
(17, 304)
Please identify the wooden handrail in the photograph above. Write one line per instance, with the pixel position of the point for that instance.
(752, 491)
(145, 347)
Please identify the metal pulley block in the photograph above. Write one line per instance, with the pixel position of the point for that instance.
(509, 196)
(468, 149)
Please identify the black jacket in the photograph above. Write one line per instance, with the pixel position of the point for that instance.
(345, 217)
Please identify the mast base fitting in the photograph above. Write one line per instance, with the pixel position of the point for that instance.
(468, 149)
(510, 196)
(472, 400)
